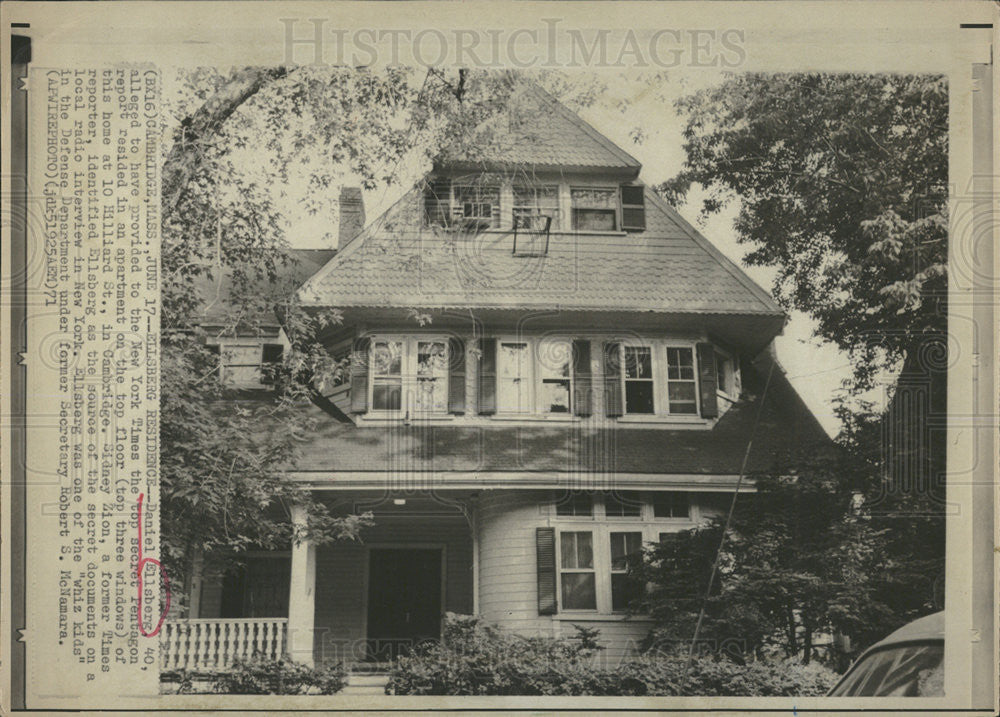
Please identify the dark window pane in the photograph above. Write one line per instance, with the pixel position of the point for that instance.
(624, 590)
(638, 396)
(594, 219)
(670, 505)
(638, 363)
(578, 591)
(688, 408)
(387, 397)
(622, 505)
(625, 546)
(575, 504)
(680, 364)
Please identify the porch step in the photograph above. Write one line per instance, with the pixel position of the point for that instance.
(366, 683)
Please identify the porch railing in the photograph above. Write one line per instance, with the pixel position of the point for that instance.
(213, 644)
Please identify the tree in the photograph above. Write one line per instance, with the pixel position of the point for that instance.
(842, 187)
(795, 565)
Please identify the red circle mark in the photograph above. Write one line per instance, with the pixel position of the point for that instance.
(138, 573)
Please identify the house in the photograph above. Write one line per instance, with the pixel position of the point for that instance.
(550, 368)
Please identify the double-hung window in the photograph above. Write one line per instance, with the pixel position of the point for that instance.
(409, 374)
(682, 395)
(594, 209)
(638, 379)
(530, 202)
(576, 556)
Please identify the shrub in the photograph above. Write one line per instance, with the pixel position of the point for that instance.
(264, 676)
(475, 658)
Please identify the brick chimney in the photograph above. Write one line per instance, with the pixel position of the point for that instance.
(352, 215)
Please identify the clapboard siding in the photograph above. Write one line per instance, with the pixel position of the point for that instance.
(507, 578)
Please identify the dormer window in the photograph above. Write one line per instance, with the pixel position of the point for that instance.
(478, 204)
(595, 208)
(248, 363)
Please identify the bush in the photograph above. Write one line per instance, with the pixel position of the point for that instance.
(264, 676)
(475, 658)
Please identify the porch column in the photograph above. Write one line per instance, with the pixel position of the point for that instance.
(301, 596)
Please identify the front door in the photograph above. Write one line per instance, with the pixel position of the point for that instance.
(404, 600)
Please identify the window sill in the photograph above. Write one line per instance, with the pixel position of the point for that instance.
(600, 617)
(639, 418)
(534, 417)
(393, 419)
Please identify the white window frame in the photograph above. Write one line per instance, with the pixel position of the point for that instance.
(601, 526)
(535, 208)
(692, 346)
(653, 374)
(409, 380)
(595, 562)
(495, 219)
(733, 375)
(535, 378)
(604, 188)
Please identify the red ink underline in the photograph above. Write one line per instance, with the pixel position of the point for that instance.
(138, 573)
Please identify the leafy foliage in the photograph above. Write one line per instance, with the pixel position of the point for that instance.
(479, 659)
(263, 676)
(841, 181)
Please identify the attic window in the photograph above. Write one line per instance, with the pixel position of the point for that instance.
(633, 208)
(248, 364)
(595, 209)
(536, 202)
(478, 204)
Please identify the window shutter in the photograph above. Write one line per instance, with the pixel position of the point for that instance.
(545, 549)
(488, 377)
(633, 208)
(612, 379)
(456, 375)
(581, 377)
(359, 375)
(707, 380)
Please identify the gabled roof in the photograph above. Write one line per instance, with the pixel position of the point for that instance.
(669, 268)
(216, 297)
(537, 132)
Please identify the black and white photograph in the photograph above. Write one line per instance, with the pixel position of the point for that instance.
(554, 361)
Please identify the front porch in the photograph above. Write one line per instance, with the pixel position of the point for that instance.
(354, 602)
